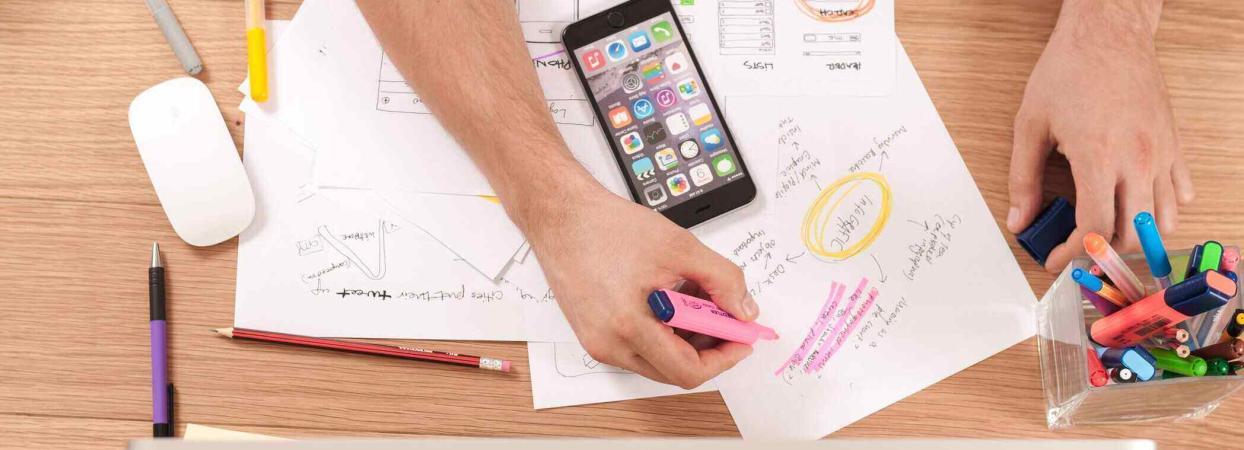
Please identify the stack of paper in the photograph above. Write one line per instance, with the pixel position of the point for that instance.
(867, 236)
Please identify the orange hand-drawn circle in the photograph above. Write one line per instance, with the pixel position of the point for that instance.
(861, 8)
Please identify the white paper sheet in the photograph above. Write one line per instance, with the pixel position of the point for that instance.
(867, 318)
(196, 432)
(371, 130)
(794, 47)
(328, 262)
(563, 374)
(488, 245)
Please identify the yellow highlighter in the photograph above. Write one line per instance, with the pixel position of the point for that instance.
(257, 50)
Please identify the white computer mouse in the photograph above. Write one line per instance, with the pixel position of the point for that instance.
(192, 162)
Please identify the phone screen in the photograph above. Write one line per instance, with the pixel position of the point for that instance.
(666, 129)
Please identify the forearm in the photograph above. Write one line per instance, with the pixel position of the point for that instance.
(470, 66)
(1121, 18)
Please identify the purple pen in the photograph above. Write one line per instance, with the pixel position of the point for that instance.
(161, 389)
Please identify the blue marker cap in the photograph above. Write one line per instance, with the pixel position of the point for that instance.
(1137, 359)
(1086, 279)
(1151, 243)
(661, 305)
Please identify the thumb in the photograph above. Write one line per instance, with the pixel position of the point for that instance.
(1030, 150)
(721, 279)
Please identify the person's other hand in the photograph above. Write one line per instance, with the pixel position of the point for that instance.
(603, 255)
(1098, 97)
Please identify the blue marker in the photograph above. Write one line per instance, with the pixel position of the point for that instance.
(1137, 359)
(1155, 253)
(1103, 290)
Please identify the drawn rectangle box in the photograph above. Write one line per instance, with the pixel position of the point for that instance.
(745, 21)
(726, 11)
(746, 29)
(1062, 317)
(754, 42)
(407, 102)
(830, 38)
(737, 37)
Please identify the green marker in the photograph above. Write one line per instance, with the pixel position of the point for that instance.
(1169, 361)
(1217, 367)
(1166, 375)
(1211, 256)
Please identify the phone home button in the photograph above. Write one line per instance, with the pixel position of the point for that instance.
(616, 19)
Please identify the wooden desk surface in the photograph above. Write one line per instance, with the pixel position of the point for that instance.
(77, 217)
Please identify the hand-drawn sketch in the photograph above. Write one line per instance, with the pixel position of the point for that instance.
(797, 47)
(830, 227)
(570, 360)
(746, 27)
(345, 250)
(542, 22)
(835, 10)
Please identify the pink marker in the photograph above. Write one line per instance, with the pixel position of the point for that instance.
(689, 313)
(1230, 259)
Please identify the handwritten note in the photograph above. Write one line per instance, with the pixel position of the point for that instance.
(901, 257)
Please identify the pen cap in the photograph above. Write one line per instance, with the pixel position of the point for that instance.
(661, 305)
(1168, 360)
(1086, 279)
(1202, 292)
(1151, 243)
(1137, 359)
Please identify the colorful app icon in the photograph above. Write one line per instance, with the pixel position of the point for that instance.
(619, 117)
(678, 184)
(631, 82)
(677, 123)
(700, 114)
(616, 50)
(593, 60)
(654, 195)
(712, 139)
(689, 149)
(631, 142)
(666, 159)
(654, 133)
(724, 165)
(642, 108)
(639, 41)
(665, 98)
(653, 73)
(662, 31)
(688, 88)
(643, 168)
(701, 175)
(676, 63)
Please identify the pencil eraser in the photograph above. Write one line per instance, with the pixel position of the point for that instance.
(505, 366)
(1052, 227)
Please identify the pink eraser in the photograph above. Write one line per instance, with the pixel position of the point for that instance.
(505, 366)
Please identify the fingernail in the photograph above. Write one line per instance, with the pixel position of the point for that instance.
(1012, 219)
(750, 309)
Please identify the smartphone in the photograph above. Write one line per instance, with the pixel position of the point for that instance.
(658, 113)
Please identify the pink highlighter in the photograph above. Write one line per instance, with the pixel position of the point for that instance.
(689, 313)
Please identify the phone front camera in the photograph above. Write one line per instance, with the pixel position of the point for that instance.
(616, 19)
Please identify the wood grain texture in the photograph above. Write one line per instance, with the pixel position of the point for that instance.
(78, 216)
